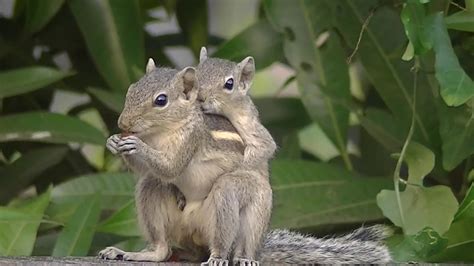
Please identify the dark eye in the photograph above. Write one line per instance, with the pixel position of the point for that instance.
(161, 100)
(229, 84)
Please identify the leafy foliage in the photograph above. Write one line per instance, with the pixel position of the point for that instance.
(65, 67)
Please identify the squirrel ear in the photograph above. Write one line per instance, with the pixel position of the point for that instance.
(150, 66)
(189, 83)
(246, 72)
(202, 54)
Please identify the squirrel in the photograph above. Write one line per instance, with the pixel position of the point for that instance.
(223, 90)
(175, 149)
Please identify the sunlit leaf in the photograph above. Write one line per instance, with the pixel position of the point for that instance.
(116, 189)
(456, 86)
(123, 222)
(17, 238)
(24, 80)
(76, 236)
(463, 20)
(48, 127)
(316, 194)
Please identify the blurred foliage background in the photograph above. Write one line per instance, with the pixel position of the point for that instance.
(371, 103)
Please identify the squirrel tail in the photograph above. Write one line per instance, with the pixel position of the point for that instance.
(362, 246)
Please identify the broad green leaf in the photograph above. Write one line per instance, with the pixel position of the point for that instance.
(466, 208)
(380, 53)
(383, 127)
(259, 40)
(116, 189)
(460, 243)
(24, 170)
(316, 194)
(456, 86)
(420, 162)
(39, 13)
(457, 134)
(76, 236)
(322, 73)
(123, 222)
(419, 247)
(48, 127)
(9, 215)
(290, 147)
(113, 101)
(192, 19)
(282, 112)
(463, 20)
(17, 238)
(113, 32)
(413, 18)
(421, 207)
(24, 80)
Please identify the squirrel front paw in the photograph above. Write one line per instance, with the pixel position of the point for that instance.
(112, 143)
(130, 145)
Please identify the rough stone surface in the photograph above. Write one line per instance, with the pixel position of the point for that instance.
(26, 261)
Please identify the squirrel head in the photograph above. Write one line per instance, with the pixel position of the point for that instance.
(223, 82)
(161, 100)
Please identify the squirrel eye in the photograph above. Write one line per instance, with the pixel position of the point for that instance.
(229, 84)
(161, 100)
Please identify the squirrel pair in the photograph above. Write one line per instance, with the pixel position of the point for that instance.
(194, 139)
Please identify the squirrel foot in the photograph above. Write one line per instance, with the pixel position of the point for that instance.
(246, 262)
(215, 262)
(111, 253)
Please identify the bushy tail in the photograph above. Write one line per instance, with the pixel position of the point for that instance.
(362, 246)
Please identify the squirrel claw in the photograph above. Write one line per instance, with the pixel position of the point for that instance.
(215, 262)
(246, 262)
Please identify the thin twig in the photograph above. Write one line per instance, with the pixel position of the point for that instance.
(361, 33)
(396, 174)
(457, 5)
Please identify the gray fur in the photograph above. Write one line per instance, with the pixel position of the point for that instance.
(283, 246)
(228, 206)
(253, 173)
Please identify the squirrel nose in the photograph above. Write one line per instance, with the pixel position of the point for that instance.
(122, 124)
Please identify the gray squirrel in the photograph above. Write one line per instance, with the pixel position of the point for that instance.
(176, 151)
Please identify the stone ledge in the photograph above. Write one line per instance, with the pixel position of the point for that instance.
(26, 261)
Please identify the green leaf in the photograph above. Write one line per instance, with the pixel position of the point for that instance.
(463, 20)
(413, 18)
(460, 243)
(123, 222)
(456, 86)
(420, 162)
(192, 19)
(419, 247)
(316, 194)
(24, 170)
(322, 72)
(17, 238)
(24, 80)
(113, 101)
(383, 127)
(380, 55)
(259, 40)
(48, 127)
(76, 236)
(39, 13)
(421, 207)
(113, 32)
(116, 189)
(457, 134)
(290, 147)
(314, 141)
(466, 208)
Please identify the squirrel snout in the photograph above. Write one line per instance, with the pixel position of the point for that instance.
(123, 124)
